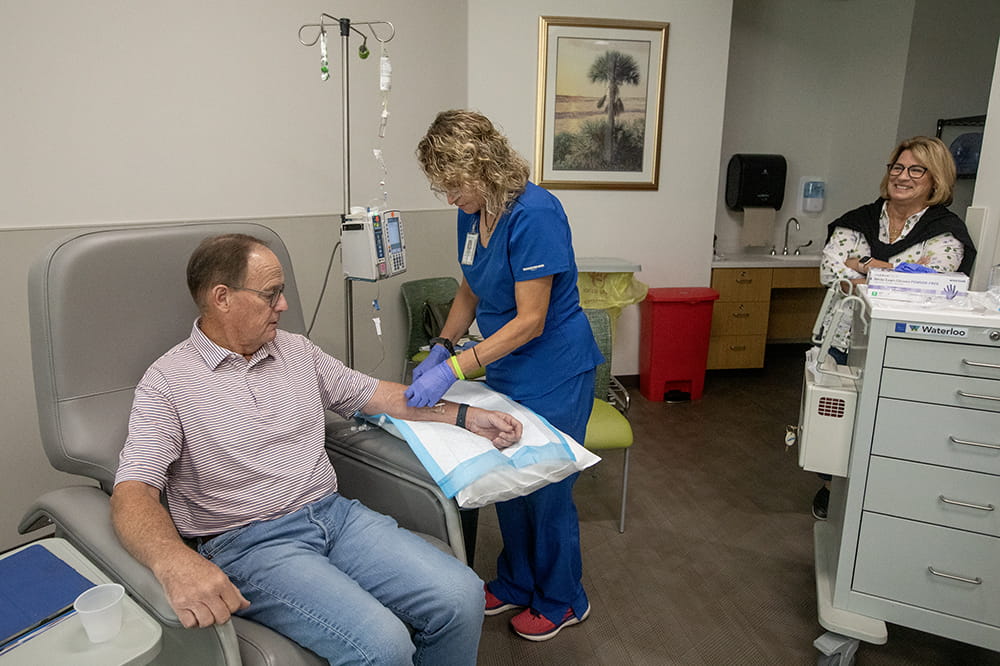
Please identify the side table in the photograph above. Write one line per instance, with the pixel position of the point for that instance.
(66, 643)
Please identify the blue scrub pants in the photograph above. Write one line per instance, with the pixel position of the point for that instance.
(541, 566)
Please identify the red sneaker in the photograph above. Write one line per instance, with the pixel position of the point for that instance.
(494, 606)
(529, 624)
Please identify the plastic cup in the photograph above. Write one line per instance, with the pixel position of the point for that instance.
(100, 611)
(994, 284)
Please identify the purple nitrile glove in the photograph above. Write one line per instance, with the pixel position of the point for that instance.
(427, 390)
(438, 354)
(908, 267)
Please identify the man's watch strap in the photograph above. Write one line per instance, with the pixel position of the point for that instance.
(444, 342)
(460, 417)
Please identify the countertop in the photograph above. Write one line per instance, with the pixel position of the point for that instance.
(979, 309)
(765, 260)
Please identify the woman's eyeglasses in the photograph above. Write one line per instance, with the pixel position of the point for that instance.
(915, 170)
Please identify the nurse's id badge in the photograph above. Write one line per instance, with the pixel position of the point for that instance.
(469, 253)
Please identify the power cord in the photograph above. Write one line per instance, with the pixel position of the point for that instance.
(322, 291)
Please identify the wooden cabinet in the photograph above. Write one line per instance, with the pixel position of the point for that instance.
(739, 317)
(761, 305)
(796, 297)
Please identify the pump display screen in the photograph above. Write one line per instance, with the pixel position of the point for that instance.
(395, 239)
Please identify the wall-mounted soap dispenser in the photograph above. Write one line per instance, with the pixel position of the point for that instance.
(812, 194)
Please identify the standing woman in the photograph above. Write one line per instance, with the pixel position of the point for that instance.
(909, 222)
(519, 284)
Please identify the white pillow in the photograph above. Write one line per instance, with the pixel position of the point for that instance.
(470, 469)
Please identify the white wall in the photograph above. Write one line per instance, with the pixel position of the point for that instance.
(667, 231)
(820, 83)
(954, 86)
(125, 111)
(987, 193)
(834, 85)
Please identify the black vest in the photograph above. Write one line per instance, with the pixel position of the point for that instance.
(936, 221)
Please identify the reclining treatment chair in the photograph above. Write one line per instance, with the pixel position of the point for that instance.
(103, 306)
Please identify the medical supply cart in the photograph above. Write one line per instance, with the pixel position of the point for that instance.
(913, 535)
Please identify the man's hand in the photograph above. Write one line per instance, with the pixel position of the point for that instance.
(199, 592)
(499, 427)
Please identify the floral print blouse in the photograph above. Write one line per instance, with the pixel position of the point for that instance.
(943, 253)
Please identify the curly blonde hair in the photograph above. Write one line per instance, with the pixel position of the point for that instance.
(462, 149)
(935, 156)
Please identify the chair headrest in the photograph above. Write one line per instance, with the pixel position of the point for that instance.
(103, 305)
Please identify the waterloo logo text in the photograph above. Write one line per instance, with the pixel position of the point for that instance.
(931, 329)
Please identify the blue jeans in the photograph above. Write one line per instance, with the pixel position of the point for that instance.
(349, 584)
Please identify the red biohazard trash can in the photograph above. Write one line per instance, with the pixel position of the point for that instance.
(673, 342)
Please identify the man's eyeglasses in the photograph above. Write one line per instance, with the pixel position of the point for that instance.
(271, 295)
(915, 170)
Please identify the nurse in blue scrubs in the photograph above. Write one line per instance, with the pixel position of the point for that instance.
(516, 254)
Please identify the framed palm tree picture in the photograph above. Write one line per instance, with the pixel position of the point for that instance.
(600, 103)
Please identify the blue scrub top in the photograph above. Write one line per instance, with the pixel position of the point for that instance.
(532, 240)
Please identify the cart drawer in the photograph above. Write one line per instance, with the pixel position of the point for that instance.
(963, 438)
(941, 389)
(951, 358)
(931, 494)
(895, 558)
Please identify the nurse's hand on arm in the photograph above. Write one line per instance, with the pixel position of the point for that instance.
(460, 317)
(500, 428)
(199, 591)
(532, 299)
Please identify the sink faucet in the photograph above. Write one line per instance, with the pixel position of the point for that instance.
(797, 227)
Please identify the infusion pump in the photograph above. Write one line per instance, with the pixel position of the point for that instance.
(372, 244)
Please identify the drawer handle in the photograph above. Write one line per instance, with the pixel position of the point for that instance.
(741, 315)
(969, 505)
(976, 395)
(977, 364)
(744, 280)
(972, 581)
(737, 347)
(995, 447)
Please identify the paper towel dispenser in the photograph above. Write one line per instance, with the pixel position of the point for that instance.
(755, 181)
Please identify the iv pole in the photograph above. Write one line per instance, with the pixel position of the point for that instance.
(345, 34)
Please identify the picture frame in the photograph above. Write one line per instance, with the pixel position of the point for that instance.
(598, 74)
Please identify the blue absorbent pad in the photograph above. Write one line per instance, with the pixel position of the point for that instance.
(35, 586)
(470, 469)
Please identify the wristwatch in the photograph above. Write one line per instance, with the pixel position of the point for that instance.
(865, 260)
(444, 342)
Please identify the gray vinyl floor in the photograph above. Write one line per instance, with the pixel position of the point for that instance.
(716, 562)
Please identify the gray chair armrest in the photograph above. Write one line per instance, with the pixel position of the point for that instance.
(260, 646)
(382, 471)
(82, 515)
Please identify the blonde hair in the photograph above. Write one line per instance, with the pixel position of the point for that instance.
(933, 154)
(463, 149)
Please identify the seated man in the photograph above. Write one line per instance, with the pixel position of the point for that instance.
(230, 424)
